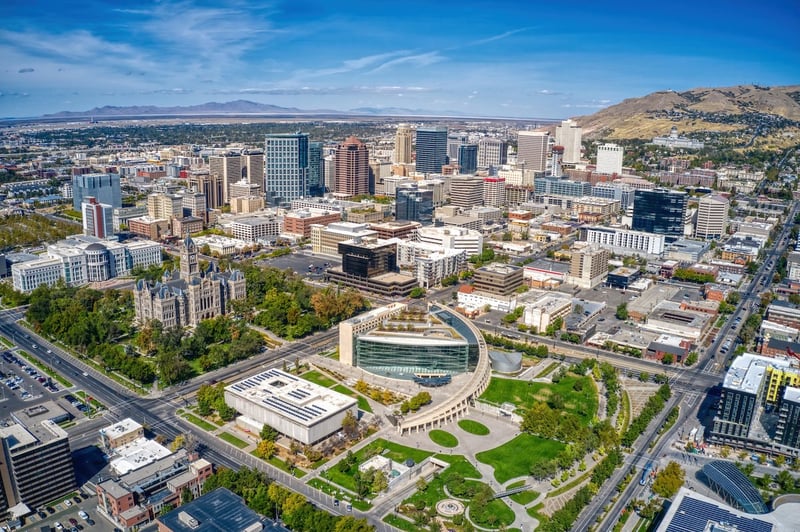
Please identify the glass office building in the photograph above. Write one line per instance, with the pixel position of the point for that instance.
(659, 211)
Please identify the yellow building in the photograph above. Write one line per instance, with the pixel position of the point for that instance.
(779, 378)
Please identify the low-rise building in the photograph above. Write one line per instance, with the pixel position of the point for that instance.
(472, 300)
(121, 433)
(220, 510)
(543, 312)
(300, 222)
(256, 228)
(622, 277)
(148, 227)
(325, 239)
(498, 279)
(666, 344)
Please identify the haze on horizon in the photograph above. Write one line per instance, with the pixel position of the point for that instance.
(503, 58)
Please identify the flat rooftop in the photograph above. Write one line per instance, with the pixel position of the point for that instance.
(747, 372)
(791, 394)
(125, 426)
(137, 454)
(289, 396)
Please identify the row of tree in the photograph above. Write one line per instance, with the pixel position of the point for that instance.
(652, 407)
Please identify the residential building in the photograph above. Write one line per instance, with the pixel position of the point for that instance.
(492, 152)
(788, 431)
(120, 434)
(404, 140)
(431, 149)
(36, 463)
(103, 187)
(551, 185)
(97, 218)
(316, 172)
(494, 191)
(352, 169)
(468, 158)
(532, 150)
(588, 266)
(568, 135)
(286, 167)
(414, 204)
(186, 299)
(793, 266)
(778, 312)
(609, 159)
(712, 216)
(659, 211)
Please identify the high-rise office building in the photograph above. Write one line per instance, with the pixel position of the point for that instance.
(494, 191)
(492, 152)
(568, 134)
(103, 187)
(329, 172)
(466, 191)
(210, 186)
(532, 150)
(316, 177)
(454, 141)
(414, 204)
(712, 216)
(228, 168)
(286, 167)
(403, 142)
(609, 159)
(352, 168)
(97, 218)
(253, 167)
(164, 206)
(468, 158)
(194, 204)
(431, 149)
(659, 211)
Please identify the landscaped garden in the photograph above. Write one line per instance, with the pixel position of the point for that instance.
(443, 438)
(473, 427)
(516, 457)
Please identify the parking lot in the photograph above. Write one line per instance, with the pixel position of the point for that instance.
(300, 261)
(77, 512)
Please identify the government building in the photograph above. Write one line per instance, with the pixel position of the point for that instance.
(185, 299)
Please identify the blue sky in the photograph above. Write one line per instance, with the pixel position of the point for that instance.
(523, 58)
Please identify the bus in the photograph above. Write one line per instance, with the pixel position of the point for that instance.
(646, 473)
(432, 379)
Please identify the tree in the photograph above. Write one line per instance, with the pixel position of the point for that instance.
(186, 496)
(668, 358)
(265, 449)
(669, 480)
(417, 292)
(622, 311)
(691, 358)
(268, 433)
(350, 425)
(644, 376)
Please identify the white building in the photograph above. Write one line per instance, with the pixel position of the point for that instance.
(471, 299)
(293, 406)
(609, 159)
(431, 263)
(793, 266)
(491, 152)
(256, 228)
(532, 150)
(568, 134)
(325, 239)
(545, 310)
(626, 241)
(348, 329)
(712, 216)
(452, 237)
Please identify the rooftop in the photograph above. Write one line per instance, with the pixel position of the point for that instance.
(125, 426)
(218, 511)
(791, 394)
(137, 454)
(747, 371)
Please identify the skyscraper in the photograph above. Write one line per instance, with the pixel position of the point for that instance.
(286, 167)
(414, 204)
(402, 144)
(466, 191)
(103, 187)
(316, 178)
(659, 211)
(352, 168)
(494, 191)
(228, 168)
(568, 134)
(491, 152)
(712, 216)
(431, 149)
(97, 218)
(532, 150)
(609, 159)
(253, 167)
(454, 141)
(468, 158)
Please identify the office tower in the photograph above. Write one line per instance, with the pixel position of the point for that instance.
(568, 134)
(352, 168)
(253, 167)
(414, 204)
(164, 206)
(659, 211)
(454, 140)
(97, 218)
(609, 159)
(329, 172)
(712, 216)
(36, 465)
(466, 191)
(468, 158)
(494, 191)
(103, 187)
(403, 142)
(316, 177)
(210, 186)
(492, 152)
(431, 149)
(532, 150)
(588, 266)
(229, 169)
(558, 156)
(194, 204)
(286, 167)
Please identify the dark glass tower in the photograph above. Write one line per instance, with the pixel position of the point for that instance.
(431, 149)
(468, 158)
(316, 183)
(659, 211)
(414, 204)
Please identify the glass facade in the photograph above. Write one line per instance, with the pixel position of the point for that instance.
(316, 183)
(414, 204)
(401, 358)
(659, 211)
(468, 158)
(431, 150)
(286, 167)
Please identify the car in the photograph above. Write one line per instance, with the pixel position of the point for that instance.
(336, 502)
(77, 499)
(83, 515)
(68, 503)
(50, 510)
(73, 521)
(90, 521)
(74, 529)
(42, 514)
(349, 507)
(58, 526)
(34, 346)
(49, 351)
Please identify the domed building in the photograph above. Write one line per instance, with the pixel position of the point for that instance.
(186, 298)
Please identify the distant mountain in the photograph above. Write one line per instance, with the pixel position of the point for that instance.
(401, 111)
(204, 109)
(725, 109)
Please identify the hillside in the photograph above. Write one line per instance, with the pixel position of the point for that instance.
(773, 111)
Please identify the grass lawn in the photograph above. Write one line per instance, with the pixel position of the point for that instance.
(318, 378)
(393, 451)
(524, 497)
(5, 342)
(443, 438)
(435, 490)
(473, 427)
(233, 440)
(363, 404)
(503, 515)
(515, 457)
(203, 424)
(524, 393)
(546, 371)
(398, 522)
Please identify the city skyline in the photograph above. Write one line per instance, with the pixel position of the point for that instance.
(547, 60)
